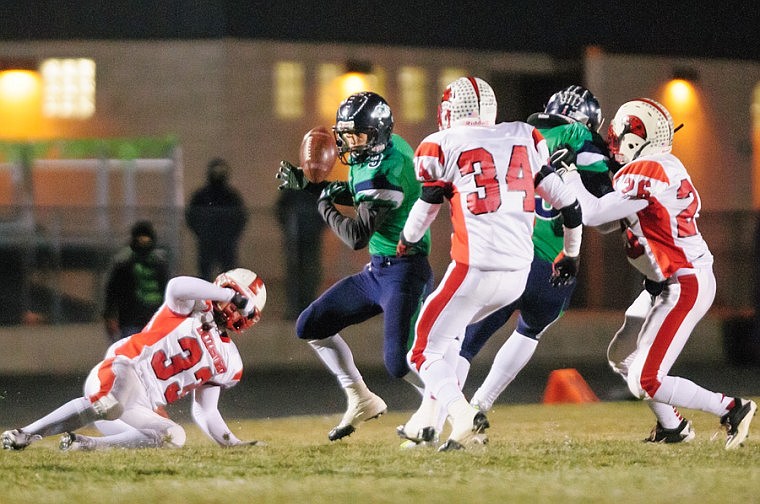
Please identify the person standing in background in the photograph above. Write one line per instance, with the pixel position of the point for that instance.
(136, 283)
(217, 216)
(302, 227)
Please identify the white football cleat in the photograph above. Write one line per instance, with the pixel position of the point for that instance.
(424, 438)
(17, 439)
(75, 442)
(360, 409)
(468, 426)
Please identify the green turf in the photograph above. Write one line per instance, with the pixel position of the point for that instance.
(537, 453)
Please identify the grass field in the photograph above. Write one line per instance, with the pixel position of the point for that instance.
(537, 453)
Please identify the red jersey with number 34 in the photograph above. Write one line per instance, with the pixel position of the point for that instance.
(664, 237)
(488, 174)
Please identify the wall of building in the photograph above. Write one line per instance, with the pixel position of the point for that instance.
(716, 141)
(215, 96)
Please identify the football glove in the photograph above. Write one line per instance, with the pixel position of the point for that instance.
(564, 270)
(403, 245)
(653, 288)
(563, 159)
(245, 305)
(291, 177)
(333, 190)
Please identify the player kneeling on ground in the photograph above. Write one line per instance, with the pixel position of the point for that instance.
(183, 349)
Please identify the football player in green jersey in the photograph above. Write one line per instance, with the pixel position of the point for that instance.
(382, 188)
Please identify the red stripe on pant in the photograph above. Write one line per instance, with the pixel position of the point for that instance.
(435, 305)
(686, 300)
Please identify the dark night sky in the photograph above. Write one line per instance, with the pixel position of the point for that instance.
(561, 27)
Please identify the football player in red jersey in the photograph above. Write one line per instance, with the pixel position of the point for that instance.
(655, 196)
(184, 349)
(489, 173)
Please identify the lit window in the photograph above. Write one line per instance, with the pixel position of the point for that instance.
(68, 88)
(329, 96)
(412, 85)
(288, 90)
(449, 75)
(335, 85)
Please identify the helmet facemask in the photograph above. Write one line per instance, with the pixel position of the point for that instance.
(640, 127)
(249, 285)
(349, 154)
(576, 103)
(363, 113)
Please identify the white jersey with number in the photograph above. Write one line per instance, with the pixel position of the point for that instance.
(174, 355)
(664, 237)
(488, 175)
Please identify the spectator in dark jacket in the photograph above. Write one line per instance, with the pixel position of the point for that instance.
(136, 283)
(302, 228)
(217, 215)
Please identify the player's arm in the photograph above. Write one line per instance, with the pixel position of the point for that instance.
(610, 207)
(354, 232)
(551, 188)
(421, 216)
(205, 412)
(183, 291)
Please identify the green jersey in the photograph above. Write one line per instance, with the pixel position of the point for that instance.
(389, 180)
(547, 232)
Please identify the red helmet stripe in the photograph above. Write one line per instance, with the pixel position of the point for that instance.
(655, 105)
(474, 84)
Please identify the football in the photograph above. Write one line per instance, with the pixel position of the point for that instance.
(318, 154)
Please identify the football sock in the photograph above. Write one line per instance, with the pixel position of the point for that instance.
(508, 362)
(70, 416)
(336, 355)
(667, 415)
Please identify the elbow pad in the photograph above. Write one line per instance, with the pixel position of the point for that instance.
(433, 194)
(572, 215)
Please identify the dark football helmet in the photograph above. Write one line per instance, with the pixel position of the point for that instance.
(364, 112)
(578, 104)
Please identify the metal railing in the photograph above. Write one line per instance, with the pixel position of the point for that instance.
(55, 269)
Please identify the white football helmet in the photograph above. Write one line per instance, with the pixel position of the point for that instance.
(249, 285)
(640, 127)
(468, 101)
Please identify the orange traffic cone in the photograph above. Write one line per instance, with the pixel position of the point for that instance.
(568, 386)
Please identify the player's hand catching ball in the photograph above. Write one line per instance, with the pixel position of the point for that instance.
(291, 177)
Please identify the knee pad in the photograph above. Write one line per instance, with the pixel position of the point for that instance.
(108, 408)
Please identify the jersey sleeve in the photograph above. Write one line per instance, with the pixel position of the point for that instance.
(182, 292)
(429, 161)
(375, 184)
